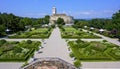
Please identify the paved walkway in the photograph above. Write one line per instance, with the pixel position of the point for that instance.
(10, 65)
(55, 47)
(114, 41)
(21, 39)
(100, 65)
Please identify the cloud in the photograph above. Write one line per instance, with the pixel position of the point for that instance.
(92, 13)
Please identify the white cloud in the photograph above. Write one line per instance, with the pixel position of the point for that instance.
(93, 13)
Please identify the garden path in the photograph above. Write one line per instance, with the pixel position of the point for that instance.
(114, 41)
(55, 46)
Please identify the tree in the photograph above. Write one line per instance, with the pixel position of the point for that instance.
(116, 20)
(46, 19)
(60, 21)
(26, 21)
(116, 23)
(40, 21)
(3, 41)
(2, 30)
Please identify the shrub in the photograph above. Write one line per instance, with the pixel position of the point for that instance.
(3, 41)
(18, 33)
(71, 55)
(53, 26)
(17, 50)
(16, 42)
(77, 63)
(104, 40)
(79, 40)
(29, 41)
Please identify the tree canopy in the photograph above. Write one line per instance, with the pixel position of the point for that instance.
(60, 21)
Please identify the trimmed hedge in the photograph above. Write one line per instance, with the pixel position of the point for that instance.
(26, 52)
(28, 55)
(94, 50)
(19, 59)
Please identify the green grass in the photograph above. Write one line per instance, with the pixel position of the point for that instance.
(70, 32)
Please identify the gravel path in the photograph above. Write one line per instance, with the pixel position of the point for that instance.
(21, 39)
(55, 47)
(114, 41)
(100, 65)
(10, 65)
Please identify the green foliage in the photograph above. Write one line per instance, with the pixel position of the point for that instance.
(80, 23)
(116, 20)
(2, 30)
(46, 19)
(94, 50)
(77, 63)
(20, 51)
(53, 25)
(17, 50)
(29, 41)
(70, 32)
(38, 33)
(26, 21)
(71, 55)
(40, 21)
(104, 40)
(60, 21)
(3, 41)
(79, 40)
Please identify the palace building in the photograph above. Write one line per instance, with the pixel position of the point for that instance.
(55, 16)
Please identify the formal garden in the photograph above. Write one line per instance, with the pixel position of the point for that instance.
(33, 33)
(70, 32)
(94, 51)
(112, 34)
(15, 51)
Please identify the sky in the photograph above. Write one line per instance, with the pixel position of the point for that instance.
(79, 9)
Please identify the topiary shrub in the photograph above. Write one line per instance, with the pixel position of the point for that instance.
(29, 41)
(71, 55)
(77, 63)
(104, 40)
(3, 41)
(16, 42)
(53, 26)
(78, 41)
(17, 50)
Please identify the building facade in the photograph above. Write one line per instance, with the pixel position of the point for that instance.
(55, 16)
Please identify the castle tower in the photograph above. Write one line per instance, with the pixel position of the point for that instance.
(54, 10)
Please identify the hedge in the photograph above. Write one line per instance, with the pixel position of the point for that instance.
(28, 55)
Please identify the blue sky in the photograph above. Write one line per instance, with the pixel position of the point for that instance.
(77, 8)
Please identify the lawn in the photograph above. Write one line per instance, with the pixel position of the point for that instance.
(17, 51)
(94, 51)
(37, 33)
(70, 32)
